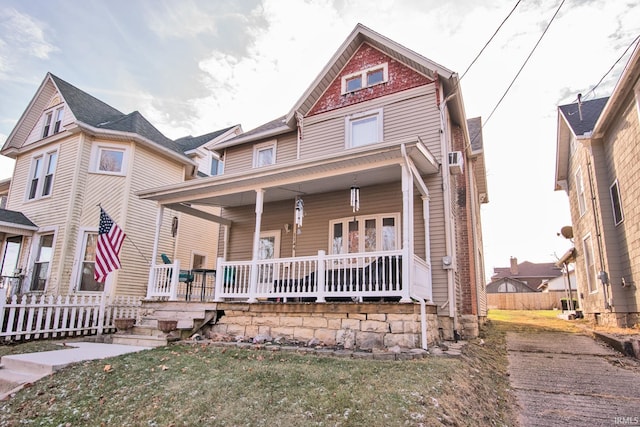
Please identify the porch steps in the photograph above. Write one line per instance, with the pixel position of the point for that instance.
(144, 336)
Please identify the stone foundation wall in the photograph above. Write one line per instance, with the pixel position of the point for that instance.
(351, 326)
(620, 320)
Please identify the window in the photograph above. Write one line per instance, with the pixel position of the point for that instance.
(506, 287)
(365, 78)
(582, 201)
(43, 168)
(354, 83)
(198, 261)
(616, 205)
(589, 264)
(42, 263)
(109, 159)
(55, 117)
(86, 279)
(363, 128)
(47, 124)
(217, 165)
(364, 234)
(264, 154)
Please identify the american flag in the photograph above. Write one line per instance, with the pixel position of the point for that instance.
(110, 239)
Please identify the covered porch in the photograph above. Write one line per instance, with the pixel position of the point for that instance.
(390, 269)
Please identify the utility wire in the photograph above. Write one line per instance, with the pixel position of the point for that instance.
(489, 41)
(524, 63)
(612, 67)
(518, 73)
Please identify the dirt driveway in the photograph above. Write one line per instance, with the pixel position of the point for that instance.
(570, 379)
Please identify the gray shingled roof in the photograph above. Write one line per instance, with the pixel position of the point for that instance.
(590, 113)
(85, 107)
(188, 143)
(90, 110)
(13, 217)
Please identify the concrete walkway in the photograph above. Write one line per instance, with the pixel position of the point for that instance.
(20, 369)
(572, 380)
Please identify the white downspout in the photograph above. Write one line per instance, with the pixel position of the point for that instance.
(446, 184)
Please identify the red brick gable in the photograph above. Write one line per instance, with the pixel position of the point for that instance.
(401, 78)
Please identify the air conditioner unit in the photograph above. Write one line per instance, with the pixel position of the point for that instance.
(455, 162)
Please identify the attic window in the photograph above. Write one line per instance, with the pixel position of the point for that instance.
(52, 122)
(365, 78)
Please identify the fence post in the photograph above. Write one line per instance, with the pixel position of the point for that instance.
(101, 312)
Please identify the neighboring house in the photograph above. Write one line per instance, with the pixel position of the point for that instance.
(74, 153)
(4, 192)
(598, 146)
(368, 188)
(528, 273)
(559, 284)
(507, 285)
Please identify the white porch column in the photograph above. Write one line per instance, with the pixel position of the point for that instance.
(154, 253)
(253, 278)
(407, 232)
(427, 241)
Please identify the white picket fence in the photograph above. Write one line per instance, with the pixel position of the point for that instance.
(35, 317)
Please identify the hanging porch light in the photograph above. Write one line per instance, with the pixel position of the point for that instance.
(355, 198)
(299, 211)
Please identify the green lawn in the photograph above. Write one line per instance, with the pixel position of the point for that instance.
(199, 384)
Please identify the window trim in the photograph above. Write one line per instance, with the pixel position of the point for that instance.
(616, 186)
(52, 121)
(379, 218)
(220, 169)
(35, 254)
(263, 147)
(363, 75)
(76, 275)
(96, 152)
(358, 117)
(37, 192)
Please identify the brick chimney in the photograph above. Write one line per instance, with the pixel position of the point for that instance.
(514, 266)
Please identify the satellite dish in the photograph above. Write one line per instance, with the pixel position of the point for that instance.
(567, 232)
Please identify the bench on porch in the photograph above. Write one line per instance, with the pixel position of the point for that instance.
(384, 272)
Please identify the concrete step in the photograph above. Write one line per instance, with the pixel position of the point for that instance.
(141, 340)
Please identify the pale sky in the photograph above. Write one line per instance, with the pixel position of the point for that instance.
(195, 66)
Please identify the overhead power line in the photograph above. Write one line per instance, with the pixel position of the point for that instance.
(489, 41)
(593, 89)
(524, 63)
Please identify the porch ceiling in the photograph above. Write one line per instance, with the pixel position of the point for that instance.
(364, 167)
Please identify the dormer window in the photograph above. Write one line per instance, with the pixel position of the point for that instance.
(52, 122)
(365, 78)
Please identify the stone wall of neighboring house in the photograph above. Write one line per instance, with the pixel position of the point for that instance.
(362, 326)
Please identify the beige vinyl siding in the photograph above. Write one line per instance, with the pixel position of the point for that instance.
(49, 212)
(31, 120)
(406, 114)
(148, 169)
(240, 158)
(199, 236)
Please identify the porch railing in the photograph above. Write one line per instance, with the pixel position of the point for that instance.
(358, 276)
(188, 285)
